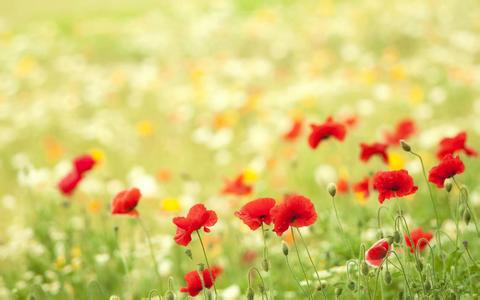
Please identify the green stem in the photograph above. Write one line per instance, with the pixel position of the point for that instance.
(301, 264)
(149, 242)
(294, 277)
(467, 203)
(341, 228)
(208, 264)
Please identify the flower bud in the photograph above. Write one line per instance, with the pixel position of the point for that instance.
(351, 285)
(396, 236)
(322, 285)
(338, 291)
(201, 267)
(406, 147)
(389, 239)
(448, 185)
(419, 265)
(169, 295)
(188, 252)
(428, 285)
(285, 248)
(250, 294)
(332, 189)
(265, 265)
(364, 268)
(387, 277)
(465, 244)
(467, 216)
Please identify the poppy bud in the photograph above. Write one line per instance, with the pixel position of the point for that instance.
(332, 189)
(114, 297)
(364, 268)
(467, 217)
(265, 265)
(396, 236)
(465, 244)
(389, 239)
(351, 285)
(201, 267)
(250, 294)
(428, 285)
(338, 291)
(419, 265)
(406, 147)
(188, 252)
(169, 295)
(387, 277)
(322, 285)
(448, 185)
(285, 248)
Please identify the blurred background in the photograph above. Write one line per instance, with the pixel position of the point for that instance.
(176, 97)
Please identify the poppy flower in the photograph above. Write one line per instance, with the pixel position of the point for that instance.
(369, 150)
(237, 187)
(295, 211)
(342, 186)
(256, 212)
(393, 184)
(419, 238)
(403, 130)
(375, 255)
(362, 187)
(350, 121)
(68, 183)
(198, 216)
(455, 144)
(326, 130)
(448, 167)
(83, 163)
(194, 282)
(124, 203)
(294, 131)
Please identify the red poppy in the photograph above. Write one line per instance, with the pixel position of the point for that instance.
(198, 216)
(350, 121)
(194, 283)
(363, 187)
(403, 130)
(83, 163)
(342, 186)
(377, 253)
(419, 238)
(294, 131)
(295, 211)
(393, 184)
(237, 187)
(369, 150)
(68, 183)
(448, 167)
(256, 212)
(323, 131)
(124, 203)
(455, 144)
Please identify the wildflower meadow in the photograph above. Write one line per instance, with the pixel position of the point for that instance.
(239, 149)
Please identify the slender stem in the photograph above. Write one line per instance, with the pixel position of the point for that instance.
(152, 254)
(208, 264)
(261, 279)
(403, 271)
(265, 249)
(431, 198)
(122, 257)
(341, 228)
(467, 203)
(294, 277)
(300, 262)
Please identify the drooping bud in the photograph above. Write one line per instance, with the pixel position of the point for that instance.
(448, 185)
(465, 244)
(332, 189)
(351, 285)
(387, 277)
(405, 146)
(389, 239)
(321, 286)
(419, 265)
(169, 295)
(265, 265)
(188, 252)
(364, 268)
(396, 236)
(201, 267)
(467, 216)
(285, 248)
(250, 294)
(338, 291)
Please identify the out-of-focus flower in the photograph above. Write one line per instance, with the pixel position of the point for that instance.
(448, 167)
(395, 161)
(326, 130)
(124, 203)
(295, 130)
(294, 211)
(237, 187)
(362, 188)
(453, 145)
(342, 186)
(403, 131)
(170, 204)
(419, 238)
(194, 282)
(256, 212)
(393, 184)
(369, 150)
(198, 216)
(68, 183)
(145, 128)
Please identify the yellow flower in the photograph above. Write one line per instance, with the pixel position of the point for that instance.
(76, 251)
(25, 67)
(397, 72)
(97, 154)
(416, 94)
(249, 176)
(361, 198)
(170, 204)
(395, 161)
(94, 206)
(145, 128)
(59, 262)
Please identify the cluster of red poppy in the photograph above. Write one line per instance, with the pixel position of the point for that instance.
(80, 165)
